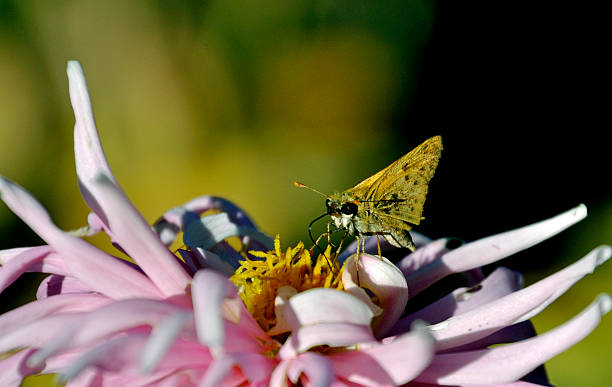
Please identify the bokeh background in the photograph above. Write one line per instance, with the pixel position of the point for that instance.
(241, 98)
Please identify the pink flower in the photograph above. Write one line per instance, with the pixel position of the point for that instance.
(285, 317)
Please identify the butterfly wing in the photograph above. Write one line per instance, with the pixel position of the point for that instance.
(397, 193)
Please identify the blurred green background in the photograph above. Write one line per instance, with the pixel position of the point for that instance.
(241, 98)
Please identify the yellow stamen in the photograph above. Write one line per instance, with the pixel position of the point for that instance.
(260, 279)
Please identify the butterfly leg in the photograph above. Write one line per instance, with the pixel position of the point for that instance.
(378, 246)
(357, 259)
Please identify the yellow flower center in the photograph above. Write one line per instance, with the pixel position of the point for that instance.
(258, 280)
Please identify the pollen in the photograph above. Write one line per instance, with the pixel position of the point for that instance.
(260, 276)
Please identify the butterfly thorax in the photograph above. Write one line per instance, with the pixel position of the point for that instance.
(348, 213)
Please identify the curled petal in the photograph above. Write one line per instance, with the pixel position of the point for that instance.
(508, 363)
(281, 307)
(385, 281)
(515, 307)
(212, 229)
(317, 369)
(93, 267)
(209, 289)
(395, 363)
(178, 218)
(329, 334)
(323, 305)
(491, 249)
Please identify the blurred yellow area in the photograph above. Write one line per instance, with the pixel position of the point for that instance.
(235, 99)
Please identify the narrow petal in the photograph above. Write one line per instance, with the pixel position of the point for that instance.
(93, 267)
(279, 374)
(255, 367)
(424, 255)
(108, 201)
(395, 363)
(385, 281)
(491, 249)
(162, 337)
(59, 284)
(515, 307)
(138, 240)
(39, 332)
(508, 363)
(36, 310)
(119, 354)
(498, 284)
(104, 322)
(90, 156)
(317, 369)
(208, 291)
(13, 267)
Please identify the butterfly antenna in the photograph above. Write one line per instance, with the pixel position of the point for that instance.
(301, 185)
(315, 243)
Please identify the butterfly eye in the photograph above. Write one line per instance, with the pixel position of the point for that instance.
(349, 209)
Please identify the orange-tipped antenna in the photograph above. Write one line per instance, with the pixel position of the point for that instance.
(301, 185)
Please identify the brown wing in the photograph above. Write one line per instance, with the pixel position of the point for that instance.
(398, 191)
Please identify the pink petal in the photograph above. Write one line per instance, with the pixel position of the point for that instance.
(103, 322)
(108, 201)
(28, 313)
(316, 368)
(89, 153)
(93, 267)
(515, 307)
(119, 354)
(490, 249)
(329, 334)
(178, 218)
(508, 363)
(385, 281)
(17, 264)
(394, 363)
(498, 284)
(255, 367)
(323, 305)
(14, 368)
(161, 339)
(423, 255)
(38, 332)
(58, 284)
(135, 236)
(511, 334)
(208, 290)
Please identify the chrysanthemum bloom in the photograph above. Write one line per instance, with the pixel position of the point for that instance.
(233, 308)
